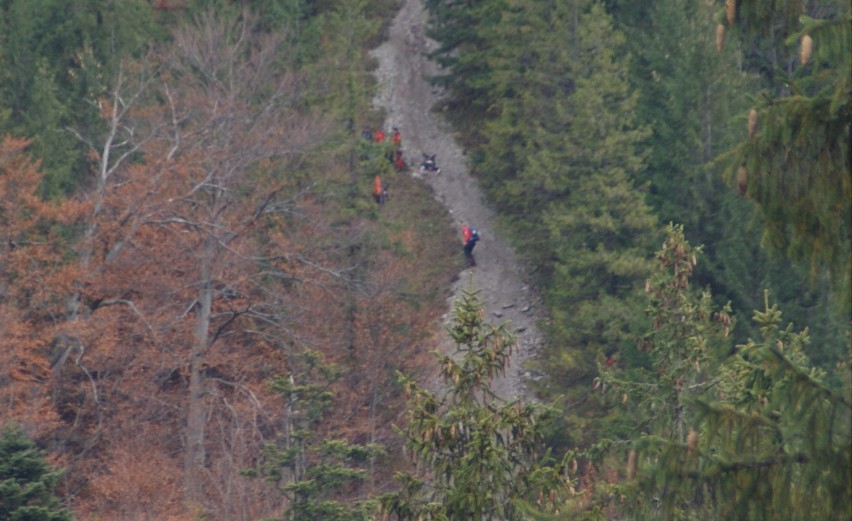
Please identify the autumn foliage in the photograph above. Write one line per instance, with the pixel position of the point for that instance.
(142, 320)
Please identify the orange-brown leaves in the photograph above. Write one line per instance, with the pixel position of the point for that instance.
(100, 295)
(137, 480)
(22, 208)
(36, 274)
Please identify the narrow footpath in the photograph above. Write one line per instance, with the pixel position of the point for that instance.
(407, 99)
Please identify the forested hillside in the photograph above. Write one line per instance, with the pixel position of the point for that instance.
(204, 314)
(197, 286)
(597, 127)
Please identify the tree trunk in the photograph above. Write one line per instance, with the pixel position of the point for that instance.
(196, 411)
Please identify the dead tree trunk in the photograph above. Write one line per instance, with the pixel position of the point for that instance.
(196, 409)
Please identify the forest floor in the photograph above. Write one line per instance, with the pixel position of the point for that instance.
(408, 101)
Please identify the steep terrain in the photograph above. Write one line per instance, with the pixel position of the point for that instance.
(408, 99)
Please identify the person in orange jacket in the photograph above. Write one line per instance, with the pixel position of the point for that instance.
(379, 192)
(397, 138)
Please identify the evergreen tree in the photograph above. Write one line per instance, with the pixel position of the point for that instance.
(772, 444)
(794, 160)
(600, 230)
(526, 160)
(756, 435)
(313, 472)
(702, 92)
(705, 92)
(649, 387)
(27, 481)
(688, 93)
(58, 56)
(677, 359)
(465, 32)
(481, 453)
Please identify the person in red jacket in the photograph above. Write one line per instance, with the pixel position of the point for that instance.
(469, 238)
(610, 357)
(399, 164)
(379, 135)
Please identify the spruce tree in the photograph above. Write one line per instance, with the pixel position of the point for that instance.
(600, 231)
(313, 472)
(772, 443)
(652, 384)
(27, 481)
(793, 160)
(649, 386)
(677, 358)
(464, 31)
(480, 454)
(524, 160)
(706, 435)
(675, 47)
(687, 93)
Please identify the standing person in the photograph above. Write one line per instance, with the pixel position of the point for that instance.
(379, 136)
(379, 193)
(469, 238)
(399, 161)
(397, 138)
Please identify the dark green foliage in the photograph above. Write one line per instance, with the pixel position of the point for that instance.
(684, 346)
(772, 444)
(314, 472)
(465, 32)
(558, 149)
(57, 58)
(480, 453)
(706, 435)
(525, 157)
(764, 28)
(794, 160)
(596, 228)
(694, 99)
(756, 435)
(688, 94)
(27, 481)
(541, 130)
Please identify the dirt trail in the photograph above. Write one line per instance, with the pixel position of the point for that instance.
(408, 98)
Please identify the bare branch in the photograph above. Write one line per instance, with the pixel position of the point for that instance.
(132, 306)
